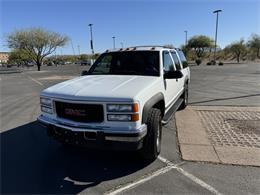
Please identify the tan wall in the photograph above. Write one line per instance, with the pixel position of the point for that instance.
(4, 56)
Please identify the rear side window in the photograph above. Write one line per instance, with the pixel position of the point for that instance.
(167, 61)
(176, 60)
(183, 59)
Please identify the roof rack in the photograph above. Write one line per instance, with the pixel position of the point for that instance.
(132, 48)
(148, 46)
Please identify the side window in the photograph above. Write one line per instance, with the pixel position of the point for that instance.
(183, 59)
(176, 60)
(167, 61)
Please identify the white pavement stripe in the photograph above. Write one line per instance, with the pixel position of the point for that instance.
(198, 181)
(140, 181)
(164, 160)
(38, 82)
(190, 176)
(145, 178)
(169, 166)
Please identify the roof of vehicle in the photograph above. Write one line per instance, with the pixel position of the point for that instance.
(142, 48)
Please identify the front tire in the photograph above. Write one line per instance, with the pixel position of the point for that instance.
(152, 141)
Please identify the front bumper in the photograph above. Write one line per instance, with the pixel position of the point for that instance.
(93, 137)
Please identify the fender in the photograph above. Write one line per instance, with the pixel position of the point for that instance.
(149, 104)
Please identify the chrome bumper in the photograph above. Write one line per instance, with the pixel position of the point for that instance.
(109, 134)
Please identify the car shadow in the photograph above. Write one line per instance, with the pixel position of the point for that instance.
(32, 163)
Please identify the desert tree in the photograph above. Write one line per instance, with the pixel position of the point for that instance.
(200, 44)
(238, 49)
(254, 44)
(37, 43)
(18, 57)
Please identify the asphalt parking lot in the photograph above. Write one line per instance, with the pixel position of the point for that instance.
(33, 163)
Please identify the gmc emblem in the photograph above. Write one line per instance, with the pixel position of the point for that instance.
(75, 112)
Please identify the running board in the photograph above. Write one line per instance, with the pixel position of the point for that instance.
(167, 117)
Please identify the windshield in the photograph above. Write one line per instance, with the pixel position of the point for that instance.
(144, 63)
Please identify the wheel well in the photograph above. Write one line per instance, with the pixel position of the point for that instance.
(161, 106)
(156, 101)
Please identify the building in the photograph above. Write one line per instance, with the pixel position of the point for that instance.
(4, 56)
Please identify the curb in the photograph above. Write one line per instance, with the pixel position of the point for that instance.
(195, 144)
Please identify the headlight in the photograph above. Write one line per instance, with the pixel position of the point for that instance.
(123, 117)
(46, 109)
(119, 117)
(122, 107)
(46, 101)
(119, 108)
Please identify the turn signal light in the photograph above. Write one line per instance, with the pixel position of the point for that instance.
(135, 117)
(135, 107)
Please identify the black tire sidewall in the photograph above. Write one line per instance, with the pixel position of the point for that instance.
(159, 130)
(185, 97)
(150, 150)
(186, 94)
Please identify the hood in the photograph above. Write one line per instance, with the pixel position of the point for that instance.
(101, 87)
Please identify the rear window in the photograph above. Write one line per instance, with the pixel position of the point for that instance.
(183, 59)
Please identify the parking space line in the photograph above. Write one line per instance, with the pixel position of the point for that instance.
(169, 166)
(38, 82)
(190, 176)
(140, 181)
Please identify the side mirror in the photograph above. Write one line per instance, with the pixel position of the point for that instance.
(173, 74)
(84, 72)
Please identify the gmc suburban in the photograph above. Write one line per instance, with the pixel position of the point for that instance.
(121, 102)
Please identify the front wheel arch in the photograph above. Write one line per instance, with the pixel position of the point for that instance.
(156, 101)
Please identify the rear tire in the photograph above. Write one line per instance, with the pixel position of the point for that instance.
(185, 97)
(152, 141)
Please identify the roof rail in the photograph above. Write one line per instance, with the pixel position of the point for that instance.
(147, 46)
(132, 48)
(163, 46)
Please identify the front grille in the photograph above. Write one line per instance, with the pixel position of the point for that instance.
(86, 113)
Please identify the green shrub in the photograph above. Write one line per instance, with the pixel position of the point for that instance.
(220, 63)
(198, 61)
(213, 62)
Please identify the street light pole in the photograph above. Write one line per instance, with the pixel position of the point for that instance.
(216, 33)
(79, 49)
(72, 47)
(114, 42)
(186, 37)
(91, 38)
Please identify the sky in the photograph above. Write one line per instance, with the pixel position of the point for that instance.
(143, 22)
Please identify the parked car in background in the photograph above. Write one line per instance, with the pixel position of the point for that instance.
(50, 63)
(85, 63)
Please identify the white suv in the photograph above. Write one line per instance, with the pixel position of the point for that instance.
(121, 102)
